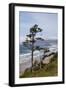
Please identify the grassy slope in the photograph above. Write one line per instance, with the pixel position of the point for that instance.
(47, 70)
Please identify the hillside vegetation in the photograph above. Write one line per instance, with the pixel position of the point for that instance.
(50, 69)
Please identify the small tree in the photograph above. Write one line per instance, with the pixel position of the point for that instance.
(33, 31)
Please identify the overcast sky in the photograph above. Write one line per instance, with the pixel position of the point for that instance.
(47, 21)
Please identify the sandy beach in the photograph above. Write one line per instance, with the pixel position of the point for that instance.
(23, 66)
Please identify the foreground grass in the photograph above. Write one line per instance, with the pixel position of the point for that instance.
(50, 69)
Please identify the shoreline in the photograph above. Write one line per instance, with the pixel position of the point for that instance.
(25, 65)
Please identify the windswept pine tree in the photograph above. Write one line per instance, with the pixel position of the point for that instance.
(31, 39)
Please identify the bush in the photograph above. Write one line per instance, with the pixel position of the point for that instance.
(54, 58)
(35, 63)
(35, 68)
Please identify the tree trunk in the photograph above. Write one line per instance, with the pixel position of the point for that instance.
(32, 52)
(32, 60)
(40, 61)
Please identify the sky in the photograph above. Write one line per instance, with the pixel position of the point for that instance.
(46, 21)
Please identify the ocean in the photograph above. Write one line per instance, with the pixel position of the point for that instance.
(43, 44)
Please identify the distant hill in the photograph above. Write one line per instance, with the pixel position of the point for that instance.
(40, 39)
